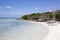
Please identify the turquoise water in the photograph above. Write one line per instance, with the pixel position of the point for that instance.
(9, 24)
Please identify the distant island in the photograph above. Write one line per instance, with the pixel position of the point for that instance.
(42, 16)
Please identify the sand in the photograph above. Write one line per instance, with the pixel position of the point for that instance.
(54, 32)
(35, 31)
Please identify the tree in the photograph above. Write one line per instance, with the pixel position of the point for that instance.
(58, 16)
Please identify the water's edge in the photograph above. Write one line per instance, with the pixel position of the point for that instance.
(11, 29)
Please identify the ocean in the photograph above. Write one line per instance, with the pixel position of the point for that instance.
(12, 29)
(8, 24)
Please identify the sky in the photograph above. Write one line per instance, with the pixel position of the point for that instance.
(17, 8)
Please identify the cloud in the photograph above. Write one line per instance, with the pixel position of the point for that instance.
(1, 7)
(37, 8)
(8, 7)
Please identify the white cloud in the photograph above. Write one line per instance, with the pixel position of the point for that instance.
(37, 8)
(8, 7)
(1, 7)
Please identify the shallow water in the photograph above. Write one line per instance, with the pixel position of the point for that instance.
(8, 24)
(12, 29)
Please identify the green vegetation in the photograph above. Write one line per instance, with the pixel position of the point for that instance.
(58, 16)
(42, 16)
(32, 16)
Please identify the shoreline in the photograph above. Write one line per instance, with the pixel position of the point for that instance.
(54, 30)
(35, 31)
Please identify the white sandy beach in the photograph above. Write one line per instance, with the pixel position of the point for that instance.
(36, 31)
(54, 32)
